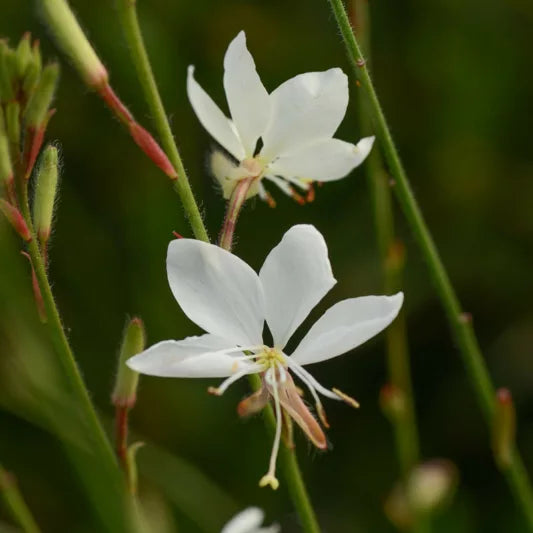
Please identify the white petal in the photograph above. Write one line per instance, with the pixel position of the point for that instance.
(305, 108)
(248, 99)
(212, 118)
(295, 277)
(217, 290)
(193, 357)
(324, 160)
(346, 325)
(248, 521)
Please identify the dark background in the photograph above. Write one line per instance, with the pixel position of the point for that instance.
(455, 82)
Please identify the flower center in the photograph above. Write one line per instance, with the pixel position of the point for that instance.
(271, 358)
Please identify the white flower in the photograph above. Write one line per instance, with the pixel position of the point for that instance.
(249, 521)
(226, 298)
(295, 123)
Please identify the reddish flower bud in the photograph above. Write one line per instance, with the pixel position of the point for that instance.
(16, 220)
(150, 147)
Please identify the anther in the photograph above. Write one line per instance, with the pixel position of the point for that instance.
(348, 399)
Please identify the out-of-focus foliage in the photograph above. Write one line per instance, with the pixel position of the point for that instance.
(456, 83)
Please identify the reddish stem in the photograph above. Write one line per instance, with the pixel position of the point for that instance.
(121, 436)
(238, 197)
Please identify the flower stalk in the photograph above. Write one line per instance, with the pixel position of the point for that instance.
(392, 255)
(132, 31)
(15, 504)
(460, 322)
(237, 199)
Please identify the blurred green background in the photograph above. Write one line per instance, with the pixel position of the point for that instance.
(456, 83)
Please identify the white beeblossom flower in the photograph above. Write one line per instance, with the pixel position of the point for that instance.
(295, 123)
(249, 521)
(226, 298)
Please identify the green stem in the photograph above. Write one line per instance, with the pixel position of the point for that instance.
(15, 504)
(460, 322)
(391, 254)
(132, 30)
(291, 471)
(62, 346)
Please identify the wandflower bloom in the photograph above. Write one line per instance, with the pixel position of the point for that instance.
(249, 521)
(294, 125)
(225, 297)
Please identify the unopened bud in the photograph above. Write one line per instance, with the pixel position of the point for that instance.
(392, 401)
(42, 97)
(72, 40)
(12, 117)
(133, 342)
(15, 218)
(428, 488)
(150, 147)
(33, 72)
(6, 170)
(45, 194)
(24, 55)
(6, 85)
(504, 428)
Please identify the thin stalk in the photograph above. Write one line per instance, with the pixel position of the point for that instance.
(291, 470)
(15, 504)
(237, 199)
(62, 346)
(130, 23)
(391, 255)
(460, 322)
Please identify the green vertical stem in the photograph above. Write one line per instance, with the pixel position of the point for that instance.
(15, 504)
(130, 23)
(291, 471)
(391, 254)
(62, 346)
(460, 322)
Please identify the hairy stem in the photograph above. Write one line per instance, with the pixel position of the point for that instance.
(460, 322)
(130, 23)
(62, 346)
(15, 504)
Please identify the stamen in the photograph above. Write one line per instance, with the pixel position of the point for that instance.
(318, 404)
(348, 399)
(283, 185)
(270, 477)
(218, 391)
(315, 384)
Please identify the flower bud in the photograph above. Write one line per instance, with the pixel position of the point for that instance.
(45, 194)
(504, 428)
(42, 97)
(6, 85)
(12, 117)
(23, 55)
(392, 402)
(6, 170)
(72, 40)
(149, 146)
(15, 218)
(428, 487)
(33, 72)
(133, 342)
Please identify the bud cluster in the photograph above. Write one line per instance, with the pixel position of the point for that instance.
(27, 90)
